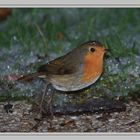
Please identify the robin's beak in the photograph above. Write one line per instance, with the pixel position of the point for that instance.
(106, 50)
(107, 53)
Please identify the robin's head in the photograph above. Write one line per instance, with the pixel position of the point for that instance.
(93, 48)
(93, 53)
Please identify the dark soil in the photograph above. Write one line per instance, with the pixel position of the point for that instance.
(18, 117)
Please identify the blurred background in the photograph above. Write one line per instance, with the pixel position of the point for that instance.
(30, 37)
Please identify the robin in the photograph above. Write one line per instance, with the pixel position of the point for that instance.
(74, 71)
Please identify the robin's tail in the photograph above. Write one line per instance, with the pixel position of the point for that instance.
(29, 77)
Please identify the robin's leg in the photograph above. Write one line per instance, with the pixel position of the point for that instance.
(46, 105)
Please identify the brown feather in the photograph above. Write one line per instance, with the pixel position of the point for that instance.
(59, 66)
(29, 77)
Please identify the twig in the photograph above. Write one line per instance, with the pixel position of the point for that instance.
(42, 35)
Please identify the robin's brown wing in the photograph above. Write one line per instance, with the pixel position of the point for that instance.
(59, 66)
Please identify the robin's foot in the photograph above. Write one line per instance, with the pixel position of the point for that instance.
(39, 117)
(36, 125)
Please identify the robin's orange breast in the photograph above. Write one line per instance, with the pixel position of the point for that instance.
(93, 67)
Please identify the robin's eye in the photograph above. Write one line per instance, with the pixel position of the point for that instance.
(91, 49)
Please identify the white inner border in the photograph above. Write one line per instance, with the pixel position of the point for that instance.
(72, 4)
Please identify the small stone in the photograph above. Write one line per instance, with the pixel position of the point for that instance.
(98, 116)
(14, 112)
(74, 117)
(111, 120)
(116, 113)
